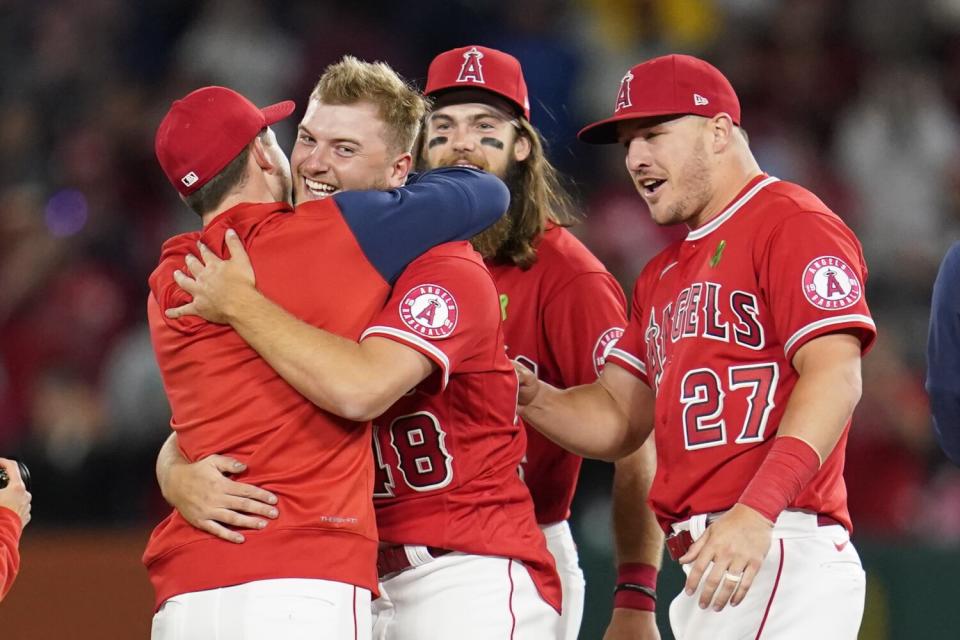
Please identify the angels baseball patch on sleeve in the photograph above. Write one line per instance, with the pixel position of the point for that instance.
(429, 310)
(605, 343)
(829, 283)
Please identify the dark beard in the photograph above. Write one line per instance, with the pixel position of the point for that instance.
(491, 242)
(488, 242)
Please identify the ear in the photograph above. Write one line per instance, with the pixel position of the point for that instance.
(521, 148)
(399, 170)
(721, 130)
(259, 155)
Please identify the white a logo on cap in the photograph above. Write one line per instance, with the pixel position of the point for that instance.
(190, 179)
(472, 70)
(699, 100)
(623, 95)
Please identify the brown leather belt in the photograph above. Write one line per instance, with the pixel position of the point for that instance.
(393, 558)
(680, 542)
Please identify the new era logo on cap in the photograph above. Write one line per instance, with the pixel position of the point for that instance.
(482, 68)
(673, 85)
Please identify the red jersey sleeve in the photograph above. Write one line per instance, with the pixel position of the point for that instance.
(164, 289)
(630, 349)
(813, 279)
(10, 530)
(443, 307)
(584, 321)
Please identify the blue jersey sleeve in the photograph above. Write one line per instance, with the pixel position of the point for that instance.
(395, 227)
(943, 355)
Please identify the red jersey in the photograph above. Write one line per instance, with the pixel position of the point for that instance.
(560, 317)
(447, 453)
(10, 529)
(715, 323)
(329, 263)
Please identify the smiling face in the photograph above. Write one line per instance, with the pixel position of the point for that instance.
(342, 148)
(670, 167)
(473, 134)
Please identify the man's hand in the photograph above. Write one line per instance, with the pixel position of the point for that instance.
(209, 500)
(631, 624)
(736, 543)
(15, 495)
(529, 385)
(216, 284)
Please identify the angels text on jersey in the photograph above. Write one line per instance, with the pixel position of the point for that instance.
(702, 310)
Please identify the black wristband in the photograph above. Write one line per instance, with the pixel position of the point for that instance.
(632, 586)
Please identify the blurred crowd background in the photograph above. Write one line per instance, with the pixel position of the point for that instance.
(857, 100)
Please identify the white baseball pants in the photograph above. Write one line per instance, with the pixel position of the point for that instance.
(564, 549)
(463, 597)
(811, 586)
(285, 609)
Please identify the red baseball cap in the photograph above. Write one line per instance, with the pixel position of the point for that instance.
(479, 67)
(668, 85)
(205, 130)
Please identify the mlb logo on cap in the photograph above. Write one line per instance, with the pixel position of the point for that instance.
(479, 68)
(668, 85)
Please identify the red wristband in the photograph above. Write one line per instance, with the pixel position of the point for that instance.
(790, 464)
(636, 587)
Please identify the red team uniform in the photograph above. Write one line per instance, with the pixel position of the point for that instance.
(560, 318)
(330, 263)
(226, 399)
(702, 305)
(447, 454)
(715, 324)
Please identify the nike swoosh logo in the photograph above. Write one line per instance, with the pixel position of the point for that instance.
(841, 546)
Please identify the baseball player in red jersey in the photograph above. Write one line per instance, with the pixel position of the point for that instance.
(315, 569)
(448, 496)
(447, 457)
(743, 348)
(562, 311)
(14, 515)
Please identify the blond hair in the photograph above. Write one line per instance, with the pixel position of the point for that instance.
(400, 105)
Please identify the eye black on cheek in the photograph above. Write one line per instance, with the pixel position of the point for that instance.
(492, 142)
(436, 141)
